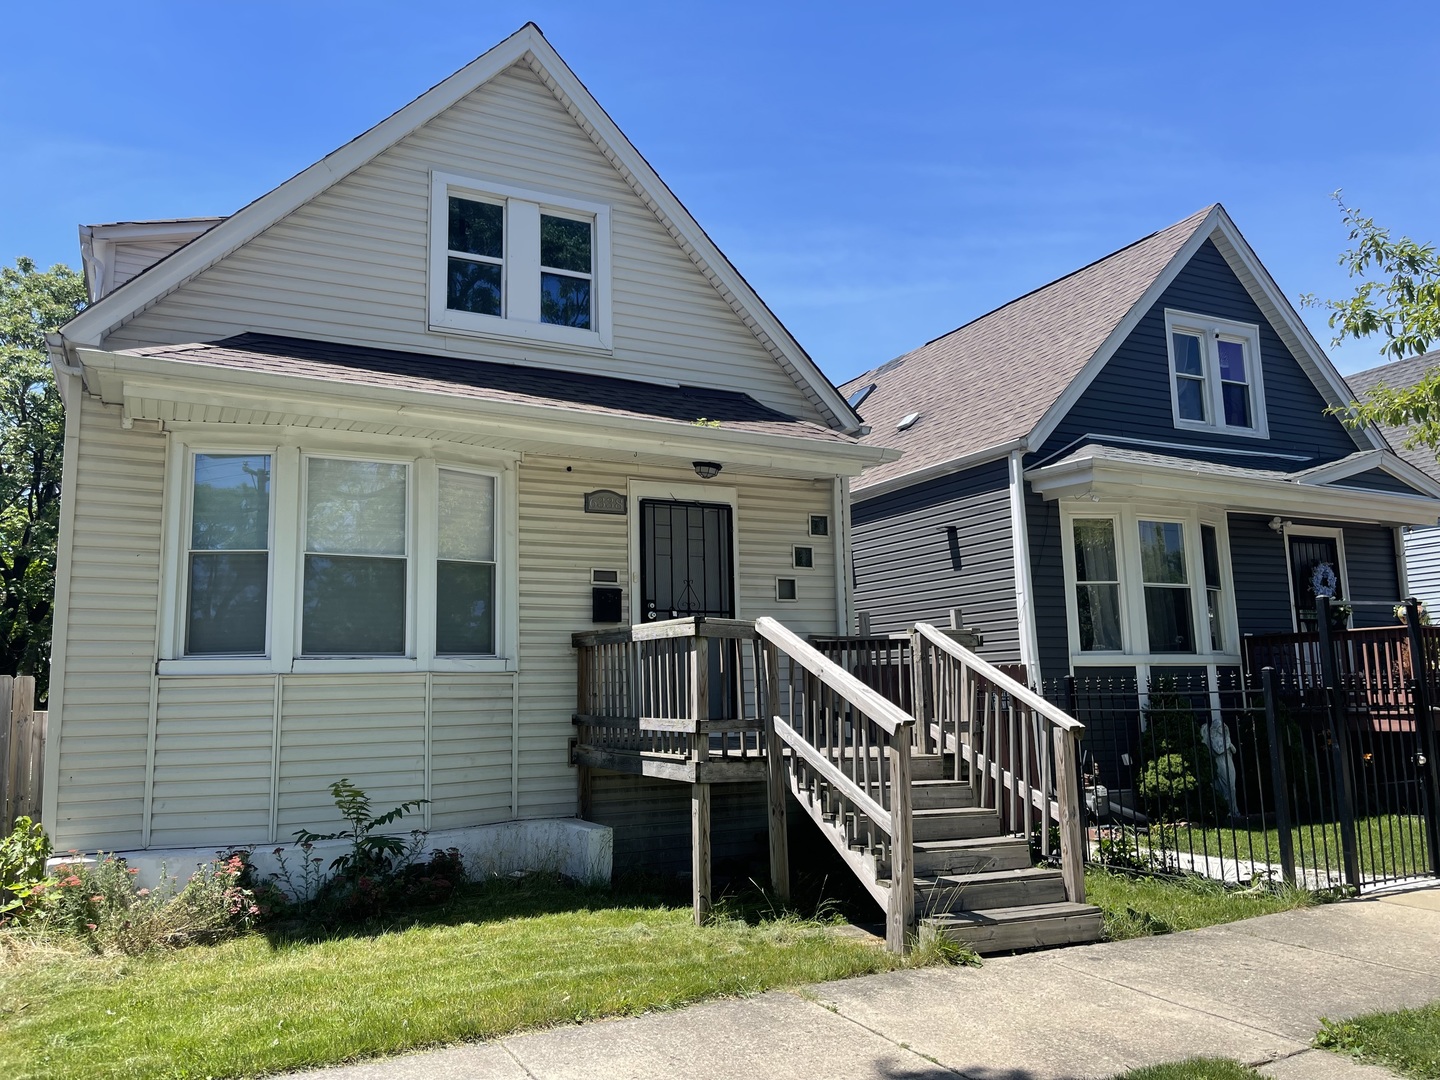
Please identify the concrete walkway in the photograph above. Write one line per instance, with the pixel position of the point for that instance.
(1253, 990)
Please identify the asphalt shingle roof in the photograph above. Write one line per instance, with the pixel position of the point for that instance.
(1397, 376)
(991, 380)
(514, 383)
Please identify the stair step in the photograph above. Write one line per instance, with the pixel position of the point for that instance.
(937, 858)
(993, 889)
(941, 794)
(1034, 926)
(928, 767)
(954, 823)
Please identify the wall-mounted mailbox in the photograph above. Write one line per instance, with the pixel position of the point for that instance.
(605, 604)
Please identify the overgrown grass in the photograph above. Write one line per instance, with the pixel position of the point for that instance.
(1407, 1040)
(1193, 1069)
(500, 957)
(1390, 845)
(1142, 906)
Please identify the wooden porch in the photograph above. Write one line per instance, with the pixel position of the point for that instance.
(931, 809)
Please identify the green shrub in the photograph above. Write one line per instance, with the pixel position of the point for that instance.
(23, 879)
(1177, 778)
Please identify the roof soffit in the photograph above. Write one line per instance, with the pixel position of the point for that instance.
(529, 46)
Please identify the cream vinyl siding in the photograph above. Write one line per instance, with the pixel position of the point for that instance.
(559, 545)
(110, 648)
(249, 758)
(131, 257)
(350, 266)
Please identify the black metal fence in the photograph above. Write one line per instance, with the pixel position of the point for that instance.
(1320, 778)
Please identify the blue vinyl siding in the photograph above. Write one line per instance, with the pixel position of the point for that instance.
(1377, 480)
(1131, 395)
(939, 545)
(1262, 584)
(1047, 583)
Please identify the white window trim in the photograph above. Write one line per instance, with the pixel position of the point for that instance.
(520, 321)
(287, 562)
(1135, 648)
(1209, 328)
(1286, 532)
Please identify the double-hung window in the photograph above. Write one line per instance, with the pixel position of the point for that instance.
(1144, 582)
(1215, 374)
(227, 563)
(465, 568)
(518, 263)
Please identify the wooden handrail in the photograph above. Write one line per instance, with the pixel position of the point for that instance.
(886, 714)
(853, 792)
(692, 626)
(1001, 681)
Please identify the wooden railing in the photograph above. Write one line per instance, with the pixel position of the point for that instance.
(1378, 654)
(705, 701)
(22, 750)
(1018, 751)
(846, 759)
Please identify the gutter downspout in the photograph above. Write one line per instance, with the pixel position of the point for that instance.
(1024, 593)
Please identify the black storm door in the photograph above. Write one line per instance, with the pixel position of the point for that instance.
(687, 564)
(1313, 560)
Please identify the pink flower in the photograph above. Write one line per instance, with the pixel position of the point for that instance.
(71, 880)
(142, 892)
(97, 899)
(90, 926)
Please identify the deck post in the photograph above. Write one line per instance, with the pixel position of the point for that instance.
(900, 918)
(775, 771)
(1067, 796)
(699, 708)
(700, 850)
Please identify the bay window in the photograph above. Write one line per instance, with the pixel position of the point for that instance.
(288, 560)
(1146, 582)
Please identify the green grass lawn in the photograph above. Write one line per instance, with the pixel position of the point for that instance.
(502, 957)
(1390, 845)
(1141, 906)
(1193, 1069)
(1407, 1041)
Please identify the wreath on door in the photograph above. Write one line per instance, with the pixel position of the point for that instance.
(1323, 580)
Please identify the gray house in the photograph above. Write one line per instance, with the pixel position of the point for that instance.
(1422, 544)
(1129, 470)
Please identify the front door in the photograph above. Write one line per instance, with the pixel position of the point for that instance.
(1314, 562)
(687, 562)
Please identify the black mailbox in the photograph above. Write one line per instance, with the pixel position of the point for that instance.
(605, 604)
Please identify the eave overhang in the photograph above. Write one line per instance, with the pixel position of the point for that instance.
(1101, 479)
(177, 393)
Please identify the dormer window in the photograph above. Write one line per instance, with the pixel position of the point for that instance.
(518, 263)
(1215, 382)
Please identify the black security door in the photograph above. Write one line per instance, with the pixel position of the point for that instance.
(686, 560)
(1308, 554)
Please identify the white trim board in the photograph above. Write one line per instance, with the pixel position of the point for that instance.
(526, 45)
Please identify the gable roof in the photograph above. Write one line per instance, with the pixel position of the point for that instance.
(1004, 380)
(1397, 376)
(527, 45)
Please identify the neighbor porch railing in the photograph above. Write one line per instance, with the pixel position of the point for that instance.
(1019, 752)
(704, 701)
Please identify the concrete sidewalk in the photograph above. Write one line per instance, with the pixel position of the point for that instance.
(1254, 991)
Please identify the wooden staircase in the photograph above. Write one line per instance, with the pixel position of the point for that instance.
(974, 883)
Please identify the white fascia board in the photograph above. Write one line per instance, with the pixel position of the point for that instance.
(934, 472)
(1286, 319)
(91, 325)
(1111, 480)
(126, 379)
(1078, 385)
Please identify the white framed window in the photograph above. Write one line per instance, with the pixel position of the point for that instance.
(1216, 379)
(518, 263)
(227, 558)
(291, 558)
(1147, 583)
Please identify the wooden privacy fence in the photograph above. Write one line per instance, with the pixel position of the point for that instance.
(22, 750)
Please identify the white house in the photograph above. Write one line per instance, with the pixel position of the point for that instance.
(345, 470)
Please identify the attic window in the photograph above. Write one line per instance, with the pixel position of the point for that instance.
(518, 263)
(1215, 375)
(907, 421)
(858, 397)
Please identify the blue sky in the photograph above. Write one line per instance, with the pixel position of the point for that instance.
(880, 173)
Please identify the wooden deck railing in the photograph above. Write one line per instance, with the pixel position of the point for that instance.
(705, 701)
(1379, 654)
(847, 761)
(1018, 751)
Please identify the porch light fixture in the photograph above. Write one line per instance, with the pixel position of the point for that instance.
(706, 470)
